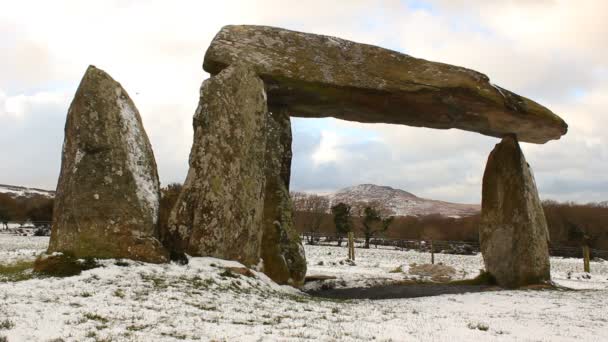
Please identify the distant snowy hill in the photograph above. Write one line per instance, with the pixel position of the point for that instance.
(20, 191)
(400, 202)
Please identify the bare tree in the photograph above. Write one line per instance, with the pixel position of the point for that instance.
(314, 208)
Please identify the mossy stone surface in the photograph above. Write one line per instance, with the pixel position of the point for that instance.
(219, 211)
(513, 230)
(319, 76)
(107, 198)
(282, 250)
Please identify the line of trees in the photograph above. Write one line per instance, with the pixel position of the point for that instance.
(570, 224)
(370, 218)
(37, 209)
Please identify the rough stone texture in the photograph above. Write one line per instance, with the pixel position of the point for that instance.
(282, 250)
(317, 76)
(219, 211)
(107, 199)
(513, 231)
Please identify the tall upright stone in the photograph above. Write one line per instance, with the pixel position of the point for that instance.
(513, 230)
(220, 209)
(282, 250)
(107, 200)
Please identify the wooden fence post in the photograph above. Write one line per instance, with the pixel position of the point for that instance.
(586, 258)
(351, 246)
(432, 253)
(348, 245)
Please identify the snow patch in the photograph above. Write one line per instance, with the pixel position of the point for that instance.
(79, 155)
(137, 163)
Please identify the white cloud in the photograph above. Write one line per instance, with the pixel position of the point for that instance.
(327, 151)
(21, 105)
(554, 51)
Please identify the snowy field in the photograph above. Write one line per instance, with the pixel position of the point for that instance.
(208, 301)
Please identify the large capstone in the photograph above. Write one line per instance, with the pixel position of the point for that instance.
(318, 76)
(107, 200)
(219, 211)
(513, 230)
(282, 250)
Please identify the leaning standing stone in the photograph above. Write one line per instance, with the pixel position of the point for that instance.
(513, 230)
(282, 250)
(107, 198)
(219, 211)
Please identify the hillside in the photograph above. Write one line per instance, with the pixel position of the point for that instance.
(400, 202)
(20, 191)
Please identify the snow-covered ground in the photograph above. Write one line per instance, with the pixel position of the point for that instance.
(203, 301)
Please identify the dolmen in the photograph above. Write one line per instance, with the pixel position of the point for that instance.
(235, 201)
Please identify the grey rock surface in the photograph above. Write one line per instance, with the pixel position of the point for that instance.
(220, 209)
(282, 250)
(107, 198)
(513, 230)
(320, 76)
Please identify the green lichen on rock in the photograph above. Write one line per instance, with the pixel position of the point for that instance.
(317, 76)
(219, 211)
(107, 199)
(513, 230)
(282, 250)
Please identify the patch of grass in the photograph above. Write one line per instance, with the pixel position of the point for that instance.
(204, 307)
(197, 282)
(85, 294)
(397, 270)
(3, 338)
(121, 263)
(95, 317)
(158, 282)
(175, 335)
(137, 327)
(119, 293)
(17, 271)
(484, 278)
(228, 274)
(62, 265)
(6, 325)
(478, 326)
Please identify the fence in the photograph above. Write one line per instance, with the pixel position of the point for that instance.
(446, 247)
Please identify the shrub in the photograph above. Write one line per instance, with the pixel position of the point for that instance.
(6, 325)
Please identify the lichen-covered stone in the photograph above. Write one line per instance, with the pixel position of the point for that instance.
(219, 211)
(513, 230)
(317, 76)
(107, 199)
(282, 250)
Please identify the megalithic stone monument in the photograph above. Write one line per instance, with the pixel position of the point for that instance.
(513, 230)
(220, 209)
(107, 199)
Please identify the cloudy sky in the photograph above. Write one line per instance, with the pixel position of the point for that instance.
(553, 51)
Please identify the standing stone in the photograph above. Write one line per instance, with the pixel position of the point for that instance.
(513, 230)
(219, 211)
(107, 200)
(282, 250)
